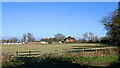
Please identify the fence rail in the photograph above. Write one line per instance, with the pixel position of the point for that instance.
(59, 52)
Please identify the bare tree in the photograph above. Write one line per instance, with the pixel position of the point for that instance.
(85, 35)
(59, 37)
(91, 37)
(24, 37)
(13, 39)
(30, 37)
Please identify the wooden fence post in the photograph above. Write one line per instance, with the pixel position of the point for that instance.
(30, 53)
(79, 47)
(83, 50)
(96, 54)
(96, 49)
(57, 52)
(17, 53)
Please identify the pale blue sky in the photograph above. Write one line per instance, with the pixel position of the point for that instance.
(60, 0)
(45, 19)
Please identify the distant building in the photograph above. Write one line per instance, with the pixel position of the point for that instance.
(12, 43)
(69, 39)
(33, 42)
(44, 42)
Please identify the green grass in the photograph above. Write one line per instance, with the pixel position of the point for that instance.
(48, 48)
(91, 61)
(97, 61)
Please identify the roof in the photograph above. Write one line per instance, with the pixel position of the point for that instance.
(69, 37)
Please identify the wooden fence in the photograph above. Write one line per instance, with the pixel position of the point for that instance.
(27, 53)
(59, 52)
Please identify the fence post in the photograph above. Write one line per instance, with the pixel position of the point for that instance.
(83, 50)
(57, 52)
(17, 53)
(96, 49)
(30, 53)
(79, 47)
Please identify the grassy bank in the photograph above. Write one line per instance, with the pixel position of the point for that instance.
(45, 62)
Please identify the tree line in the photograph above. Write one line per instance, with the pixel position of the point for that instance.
(26, 38)
(87, 37)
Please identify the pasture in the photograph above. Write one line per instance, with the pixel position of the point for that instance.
(99, 58)
(47, 47)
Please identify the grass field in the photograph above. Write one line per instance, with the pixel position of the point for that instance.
(47, 48)
(91, 61)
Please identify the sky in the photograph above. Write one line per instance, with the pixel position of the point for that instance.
(60, 0)
(45, 19)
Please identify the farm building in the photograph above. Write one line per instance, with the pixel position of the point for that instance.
(44, 42)
(13, 43)
(33, 42)
(69, 39)
(41, 42)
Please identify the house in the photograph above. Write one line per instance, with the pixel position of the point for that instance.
(69, 39)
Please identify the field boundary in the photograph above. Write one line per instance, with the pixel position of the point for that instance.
(31, 53)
